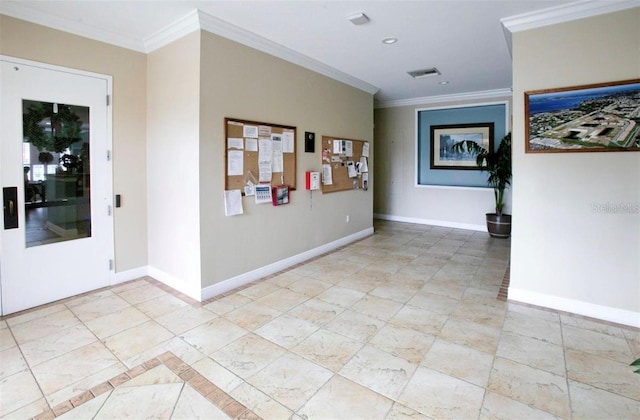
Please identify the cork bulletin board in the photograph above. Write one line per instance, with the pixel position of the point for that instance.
(339, 161)
(243, 141)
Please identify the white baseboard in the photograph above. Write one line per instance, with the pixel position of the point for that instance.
(237, 281)
(245, 278)
(193, 291)
(128, 275)
(605, 313)
(443, 223)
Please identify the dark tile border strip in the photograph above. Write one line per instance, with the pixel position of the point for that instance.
(503, 292)
(201, 384)
(574, 315)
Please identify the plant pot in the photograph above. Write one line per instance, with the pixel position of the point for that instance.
(499, 226)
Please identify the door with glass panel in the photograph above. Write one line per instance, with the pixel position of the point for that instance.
(56, 240)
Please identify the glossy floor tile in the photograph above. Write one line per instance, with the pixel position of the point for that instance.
(405, 324)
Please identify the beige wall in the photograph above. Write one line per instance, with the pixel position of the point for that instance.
(399, 198)
(168, 113)
(565, 255)
(173, 89)
(240, 82)
(128, 69)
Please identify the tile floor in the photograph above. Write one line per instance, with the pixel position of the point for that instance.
(403, 324)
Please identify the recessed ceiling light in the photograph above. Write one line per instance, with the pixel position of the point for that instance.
(444, 82)
(389, 41)
(358, 19)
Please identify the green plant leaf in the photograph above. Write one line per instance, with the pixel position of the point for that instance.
(496, 163)
(635, 363)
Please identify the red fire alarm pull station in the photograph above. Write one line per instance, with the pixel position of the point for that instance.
(312, 180)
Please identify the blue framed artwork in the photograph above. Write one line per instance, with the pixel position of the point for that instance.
(461, 174)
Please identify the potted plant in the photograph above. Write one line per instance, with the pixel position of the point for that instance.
(498, 165)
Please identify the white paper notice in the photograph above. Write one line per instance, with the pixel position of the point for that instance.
(232, 202)
(365, 150)
(288, 141)
(265, 159)
(251, 145)
(249, 189)
(265, 150)
(264, 131)
(250, 131)
(351, 169)
(338, 147)
(327, 177)
(235, 162)
(265, 171)
(363, 165)
(235, 143)
(365, 181)
(263, 194)
(348, 148)
(278, 161)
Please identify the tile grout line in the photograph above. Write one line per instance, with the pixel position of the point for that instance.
(221, 399)
(211, 390)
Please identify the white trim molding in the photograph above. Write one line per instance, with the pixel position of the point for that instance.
(432, 222)
(193, 21)
(224, 29)
(251, 276)
(457, 97)
(605, 313)
(563, 13)
(128, 275)
(234, 282)
(176, 283)
(18, 10)
(173, 31)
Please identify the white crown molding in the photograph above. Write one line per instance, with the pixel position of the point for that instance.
(227, 30)
(469, 96)
(206, 22)
(565, 13)
(173, 31)
(16, 10)
(193, 21)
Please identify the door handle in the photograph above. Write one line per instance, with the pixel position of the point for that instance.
(10, 206)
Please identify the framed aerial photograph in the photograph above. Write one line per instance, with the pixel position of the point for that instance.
(603, 117)
(444, 137)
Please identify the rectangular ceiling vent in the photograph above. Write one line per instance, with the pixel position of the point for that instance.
(418, 74)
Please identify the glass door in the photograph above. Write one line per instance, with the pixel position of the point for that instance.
(57, 172)
(53, 164)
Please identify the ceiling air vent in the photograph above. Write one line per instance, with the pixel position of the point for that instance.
(418, 74)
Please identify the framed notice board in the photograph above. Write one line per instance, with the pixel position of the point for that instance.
(262, 153)
(343, 156)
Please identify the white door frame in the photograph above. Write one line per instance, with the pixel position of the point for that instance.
(109, 139)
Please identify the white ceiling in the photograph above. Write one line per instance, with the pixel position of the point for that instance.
(464, 39)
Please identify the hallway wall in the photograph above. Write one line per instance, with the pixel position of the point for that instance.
(566, 253)
(38, 43)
